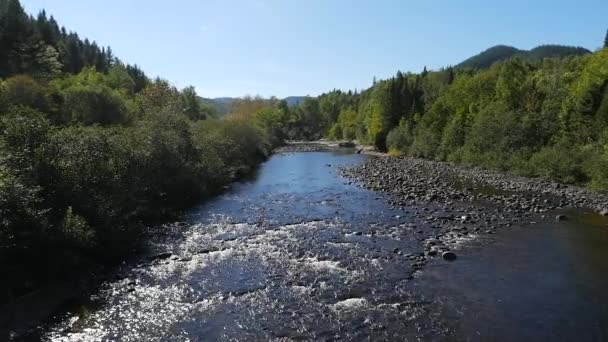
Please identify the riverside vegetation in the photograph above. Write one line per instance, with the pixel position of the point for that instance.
(92, 150)
(543, 117)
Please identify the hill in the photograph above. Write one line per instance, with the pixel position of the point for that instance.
(503, 52)
(294, 100)
(221, 105)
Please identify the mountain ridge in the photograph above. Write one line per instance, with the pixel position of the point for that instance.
(499, 53)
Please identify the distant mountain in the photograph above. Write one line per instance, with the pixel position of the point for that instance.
(221, 105)
(294, 100)
(503, 52)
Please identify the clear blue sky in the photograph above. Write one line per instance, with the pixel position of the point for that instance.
(289, 47)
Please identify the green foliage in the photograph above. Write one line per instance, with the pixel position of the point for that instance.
(118, 78)
(347, 124)
(528, 114)
(562, 161)
(23, 134)
(90, 156)
(76, 230)
(190, 104)
(91, 105)
(23, 90)
(40, 48)
(400, 138)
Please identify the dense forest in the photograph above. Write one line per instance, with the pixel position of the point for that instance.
(532, 116)
(92, 150)
(502, 53)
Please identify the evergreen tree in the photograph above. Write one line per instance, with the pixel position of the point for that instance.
(606, 40)
(15, 33)
(190, 104)
(138, 76)
(35, 45)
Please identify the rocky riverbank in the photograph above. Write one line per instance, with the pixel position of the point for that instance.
(304, 146)
(464, 203)
(325, 146)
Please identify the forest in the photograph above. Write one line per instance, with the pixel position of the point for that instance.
(541, 117)
(93, 151)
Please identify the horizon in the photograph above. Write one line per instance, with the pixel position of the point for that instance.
(268, 48)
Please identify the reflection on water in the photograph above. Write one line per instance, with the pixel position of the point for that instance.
(545, 282)
(298, 253)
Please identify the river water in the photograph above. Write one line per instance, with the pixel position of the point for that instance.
(297, 252)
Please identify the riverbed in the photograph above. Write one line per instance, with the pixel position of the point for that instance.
(299, 252)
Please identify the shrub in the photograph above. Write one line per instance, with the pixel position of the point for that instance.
(94, 105)
(562, 161)
(23, 90)
(76, 231)
(400, 138)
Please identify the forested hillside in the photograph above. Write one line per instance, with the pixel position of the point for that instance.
(502, 53)
(544, 118)
(92, 151)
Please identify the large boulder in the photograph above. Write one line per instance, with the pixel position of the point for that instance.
(347, 144)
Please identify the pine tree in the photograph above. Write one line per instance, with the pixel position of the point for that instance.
(190, 104)
(606, 40)
(15, 32)
(138, 76)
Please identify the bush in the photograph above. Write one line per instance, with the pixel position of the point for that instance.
(76, 231)
(238, 144)
(399, 139)
(23, 90)
(94, 105)
(562, 161)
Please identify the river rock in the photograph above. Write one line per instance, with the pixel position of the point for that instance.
(604, 212)
(561, 218)
(162, 256)
(449, 256)
(347, 144)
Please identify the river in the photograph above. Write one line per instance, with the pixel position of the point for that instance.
(296, 252)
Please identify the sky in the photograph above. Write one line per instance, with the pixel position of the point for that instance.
(307, 47)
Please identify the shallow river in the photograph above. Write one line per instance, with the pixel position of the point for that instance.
(298, 253)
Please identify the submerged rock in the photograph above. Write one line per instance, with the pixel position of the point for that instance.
(449, 256)
(162, 256)
(561, 218)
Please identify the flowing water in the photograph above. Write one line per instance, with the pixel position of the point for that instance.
(298, 253)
